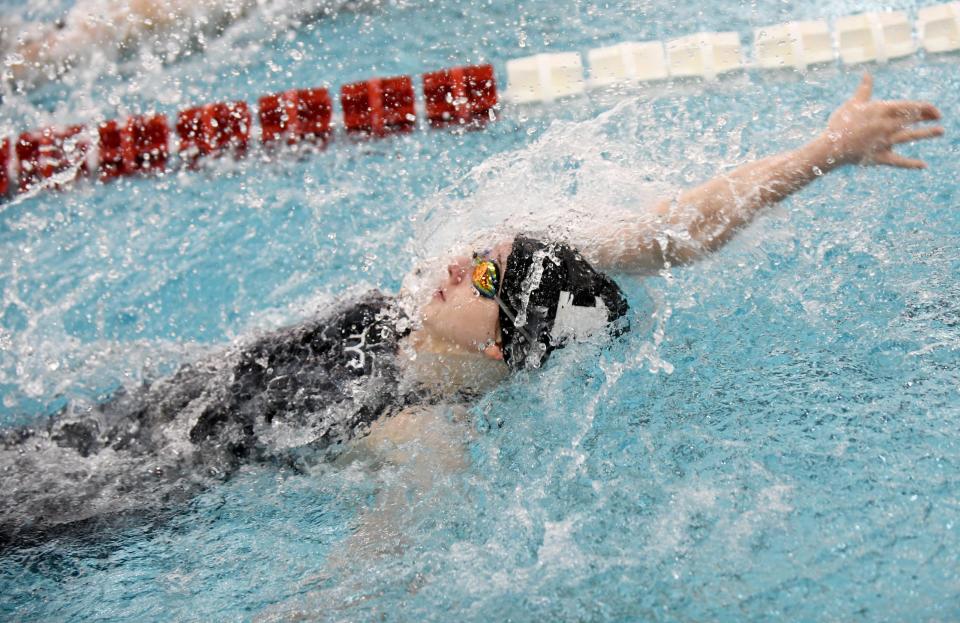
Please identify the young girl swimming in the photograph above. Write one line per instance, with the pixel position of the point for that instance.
(371, 368)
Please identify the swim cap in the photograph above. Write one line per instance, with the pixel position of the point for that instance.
(554, 296)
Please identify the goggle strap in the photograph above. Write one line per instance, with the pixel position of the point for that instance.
(513, 319)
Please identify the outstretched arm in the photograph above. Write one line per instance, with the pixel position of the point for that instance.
(704, 218)
(111, 27)
(89, 25)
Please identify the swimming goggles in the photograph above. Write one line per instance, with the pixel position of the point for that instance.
(486, 281)
(486, 275)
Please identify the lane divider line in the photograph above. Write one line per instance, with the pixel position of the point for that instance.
(465, 95)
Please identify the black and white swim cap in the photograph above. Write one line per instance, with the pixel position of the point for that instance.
(554, 296)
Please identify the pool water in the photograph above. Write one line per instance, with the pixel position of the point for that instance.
(778, 438)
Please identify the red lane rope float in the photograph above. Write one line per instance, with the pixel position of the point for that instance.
(378, 106)
(47, 152)
(296, 115)
(213, 129)
(6, 159)
(140, 145)
(459, 94)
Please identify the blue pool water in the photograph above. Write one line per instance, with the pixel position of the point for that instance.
(778, 439)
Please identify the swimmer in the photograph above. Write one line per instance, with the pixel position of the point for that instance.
(369, 370)
(37, 52)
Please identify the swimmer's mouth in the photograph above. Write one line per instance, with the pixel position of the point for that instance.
(439, 294)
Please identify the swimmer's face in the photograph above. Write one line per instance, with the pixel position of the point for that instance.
(458, 315)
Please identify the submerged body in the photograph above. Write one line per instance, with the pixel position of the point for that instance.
(118, 29)
(311, 386)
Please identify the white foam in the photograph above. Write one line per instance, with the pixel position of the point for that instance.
(556, 185)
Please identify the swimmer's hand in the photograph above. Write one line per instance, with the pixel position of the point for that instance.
(865, 131)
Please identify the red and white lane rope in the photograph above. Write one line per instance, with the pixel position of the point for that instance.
(51, 157)
(54, 156)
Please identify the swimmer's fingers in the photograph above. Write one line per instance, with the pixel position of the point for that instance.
(917, 134)
(865, 90)
(892, 159)
(911, 111)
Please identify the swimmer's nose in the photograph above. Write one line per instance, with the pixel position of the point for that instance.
(456, 272)
(458, 269)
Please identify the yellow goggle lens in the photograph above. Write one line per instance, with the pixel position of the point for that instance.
(485, 277)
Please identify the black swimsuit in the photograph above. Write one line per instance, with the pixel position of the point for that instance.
(314, 385)
(324, 378)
